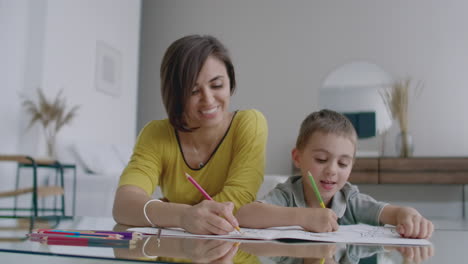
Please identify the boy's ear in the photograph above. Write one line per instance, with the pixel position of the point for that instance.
(296, 157)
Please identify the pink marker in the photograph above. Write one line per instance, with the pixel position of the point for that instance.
(207, 196)
(195, 183)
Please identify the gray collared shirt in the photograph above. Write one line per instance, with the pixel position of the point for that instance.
(351, 206)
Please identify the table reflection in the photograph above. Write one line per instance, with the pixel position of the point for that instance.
(196, 250)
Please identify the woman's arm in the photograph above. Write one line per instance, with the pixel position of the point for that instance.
(128, 209)
(262, 215)
(203, 218)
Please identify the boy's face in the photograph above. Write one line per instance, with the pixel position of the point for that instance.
(329, 158)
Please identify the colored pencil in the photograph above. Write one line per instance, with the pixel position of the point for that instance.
(84, 239)
(113, 244)
(73, 243)
(204, 193)
(60, 232)
(126, 235)
(134, 235)
(39, 235)
(316, 190)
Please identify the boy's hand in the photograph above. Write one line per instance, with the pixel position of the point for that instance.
(318, 220)
(411, 224)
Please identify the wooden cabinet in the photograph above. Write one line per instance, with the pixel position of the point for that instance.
(365, 170)
(416, 170)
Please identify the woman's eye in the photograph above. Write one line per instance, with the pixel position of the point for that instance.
(195, 92)
(321, 160)
(217, 86)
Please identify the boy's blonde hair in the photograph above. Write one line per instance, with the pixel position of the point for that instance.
(325, 121)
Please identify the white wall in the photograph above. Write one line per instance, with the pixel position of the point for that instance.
(14, 23)
(52, 44)
(283, 50)
(12, 37)
(72, 31)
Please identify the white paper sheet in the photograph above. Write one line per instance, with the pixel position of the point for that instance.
(363, 234)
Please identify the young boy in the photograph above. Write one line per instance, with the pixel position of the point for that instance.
(325, 147)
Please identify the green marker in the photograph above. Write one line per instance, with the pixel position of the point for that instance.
(317, 193)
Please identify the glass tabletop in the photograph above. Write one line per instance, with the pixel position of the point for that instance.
(448, 243)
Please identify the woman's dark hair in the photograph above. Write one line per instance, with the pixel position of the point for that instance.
(180, 67)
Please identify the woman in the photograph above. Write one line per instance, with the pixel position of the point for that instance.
(223, 151)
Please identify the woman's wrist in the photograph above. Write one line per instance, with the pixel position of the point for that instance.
(169, 214)
(181, 215)
(146, 212)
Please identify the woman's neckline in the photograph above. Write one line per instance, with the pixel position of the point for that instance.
(213, 152)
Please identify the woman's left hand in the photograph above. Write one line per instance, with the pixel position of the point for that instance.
(209, 217)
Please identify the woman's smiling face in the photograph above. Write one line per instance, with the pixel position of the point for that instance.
(209, 102)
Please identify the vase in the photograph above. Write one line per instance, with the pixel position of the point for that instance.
(50, 139)
(50, 146)
(404, 144)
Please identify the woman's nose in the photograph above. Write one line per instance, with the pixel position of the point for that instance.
(207, 96)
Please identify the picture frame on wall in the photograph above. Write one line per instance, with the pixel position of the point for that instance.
(108, 69)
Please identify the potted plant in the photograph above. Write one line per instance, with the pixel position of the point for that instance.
(52, 115)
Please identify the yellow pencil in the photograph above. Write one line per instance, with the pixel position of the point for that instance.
(316, 191)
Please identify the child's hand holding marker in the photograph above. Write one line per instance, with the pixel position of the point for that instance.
(319, 220)
(217, 217)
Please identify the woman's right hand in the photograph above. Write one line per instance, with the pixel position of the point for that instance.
(209, 217)
(318, 220)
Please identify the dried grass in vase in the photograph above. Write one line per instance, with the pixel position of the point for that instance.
(396, 98)
(52, 115)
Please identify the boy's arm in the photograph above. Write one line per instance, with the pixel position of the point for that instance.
(408, 221)
(262, 215)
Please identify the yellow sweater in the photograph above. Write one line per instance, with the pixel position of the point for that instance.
(233, 173)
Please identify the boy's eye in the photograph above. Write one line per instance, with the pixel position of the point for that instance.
(320, 160)
(342, 165)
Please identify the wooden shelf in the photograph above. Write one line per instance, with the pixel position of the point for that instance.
(365, 170)
(416, 170)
